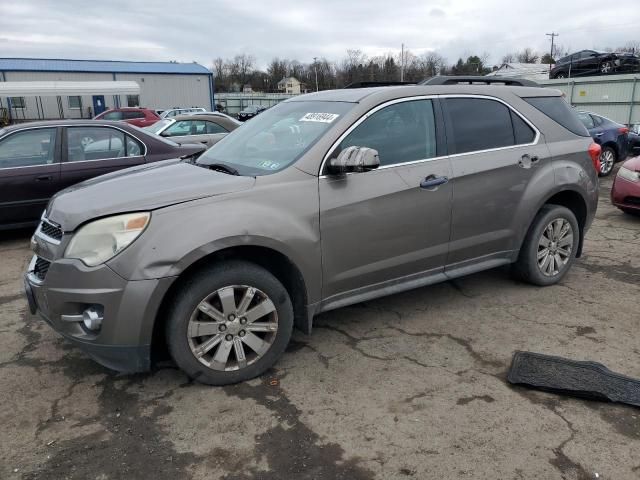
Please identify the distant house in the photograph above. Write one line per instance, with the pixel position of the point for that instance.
(291, 85)
(529, 71)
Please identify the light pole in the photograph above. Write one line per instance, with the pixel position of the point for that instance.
(315, 67)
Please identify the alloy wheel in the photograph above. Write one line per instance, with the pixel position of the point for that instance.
(607, 159)
(232, 327)
(555, 247)
(605, 67)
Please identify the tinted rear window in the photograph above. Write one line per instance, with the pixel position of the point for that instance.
(559, 110)
(479, 124)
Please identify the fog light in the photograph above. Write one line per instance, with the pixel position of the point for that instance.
(92, 318)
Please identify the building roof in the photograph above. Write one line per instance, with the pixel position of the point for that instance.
(286, 79)
(56, 88)
(532, 71)
(98, 66)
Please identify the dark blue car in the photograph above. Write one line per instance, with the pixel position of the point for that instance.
(611, 136)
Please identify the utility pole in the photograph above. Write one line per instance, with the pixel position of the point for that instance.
(402, 63)
(553, 36)
(315, 67)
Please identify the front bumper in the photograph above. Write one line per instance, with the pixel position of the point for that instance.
(129, 308)
(625, 194)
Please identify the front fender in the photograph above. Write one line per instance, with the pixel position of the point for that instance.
(281, 219)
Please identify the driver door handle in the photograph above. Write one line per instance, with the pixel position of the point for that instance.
(432, 181)
(43, 178)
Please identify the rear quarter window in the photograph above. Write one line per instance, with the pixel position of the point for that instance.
(558, 110)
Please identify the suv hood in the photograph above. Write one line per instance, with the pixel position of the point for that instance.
(146, 187)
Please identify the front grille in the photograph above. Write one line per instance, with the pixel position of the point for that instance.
(41, 268)
(50, 230)
(632, 200)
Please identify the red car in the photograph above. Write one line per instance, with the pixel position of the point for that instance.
(140, 117)
(625, 193)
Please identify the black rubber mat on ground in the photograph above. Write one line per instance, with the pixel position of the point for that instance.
(569, 377)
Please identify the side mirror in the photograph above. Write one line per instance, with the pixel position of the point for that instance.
(354, 159)
(164, 133)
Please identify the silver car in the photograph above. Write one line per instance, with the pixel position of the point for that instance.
(174, 112)
(325, 200)
(195, 128)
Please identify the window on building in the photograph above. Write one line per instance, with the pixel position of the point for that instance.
(403, 132)
(17, 102)
(133, 100)
(75, 102)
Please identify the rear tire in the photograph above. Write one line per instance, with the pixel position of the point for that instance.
(608, 159)
(549, 247)
(606, 68)
(560, 75)
(212, 334)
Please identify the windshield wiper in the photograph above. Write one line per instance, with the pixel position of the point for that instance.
(221, 167)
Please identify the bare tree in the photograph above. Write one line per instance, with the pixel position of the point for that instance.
(241, 68)
(510, 58)
(528, 56)
(632, 46)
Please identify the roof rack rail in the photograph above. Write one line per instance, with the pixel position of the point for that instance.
(367, 84)
(471, 79)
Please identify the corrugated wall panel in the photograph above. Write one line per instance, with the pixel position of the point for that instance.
(168, 91)
(609, 96)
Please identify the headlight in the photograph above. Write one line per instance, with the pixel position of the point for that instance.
(629, 174)
(101, 240)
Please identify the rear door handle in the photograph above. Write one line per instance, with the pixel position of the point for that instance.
(599, 134)
(43, 178)
(432, 181)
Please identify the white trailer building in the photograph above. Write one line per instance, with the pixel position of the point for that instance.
(163, 85)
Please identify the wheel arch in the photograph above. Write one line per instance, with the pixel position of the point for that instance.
(276, 262)
(614, 146)
(574, 201)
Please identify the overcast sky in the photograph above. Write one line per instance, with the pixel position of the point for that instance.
(200, 30)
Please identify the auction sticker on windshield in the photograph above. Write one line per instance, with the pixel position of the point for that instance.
(319, 117)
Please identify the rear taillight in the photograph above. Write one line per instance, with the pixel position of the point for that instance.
(623, 130)
(594, 153)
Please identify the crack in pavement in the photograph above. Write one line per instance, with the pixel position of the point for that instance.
(291, 448)
(561, 461)
(129, 444)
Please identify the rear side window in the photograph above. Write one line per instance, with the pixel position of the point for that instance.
(523, 133)
(557, 109)
(586, 120)
(479, 124)
(112, 116)
(128, 115)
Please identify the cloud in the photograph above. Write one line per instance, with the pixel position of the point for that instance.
(202, 30)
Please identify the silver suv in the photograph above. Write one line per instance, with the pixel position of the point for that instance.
(325, 200)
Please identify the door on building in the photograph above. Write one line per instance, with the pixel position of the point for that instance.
(98, 104)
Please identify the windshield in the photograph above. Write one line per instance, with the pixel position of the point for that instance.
(158, 126)
(276, 138)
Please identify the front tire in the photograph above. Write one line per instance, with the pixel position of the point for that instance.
(550, 246)
(608, 159)
(606, 68)
(229, 323)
